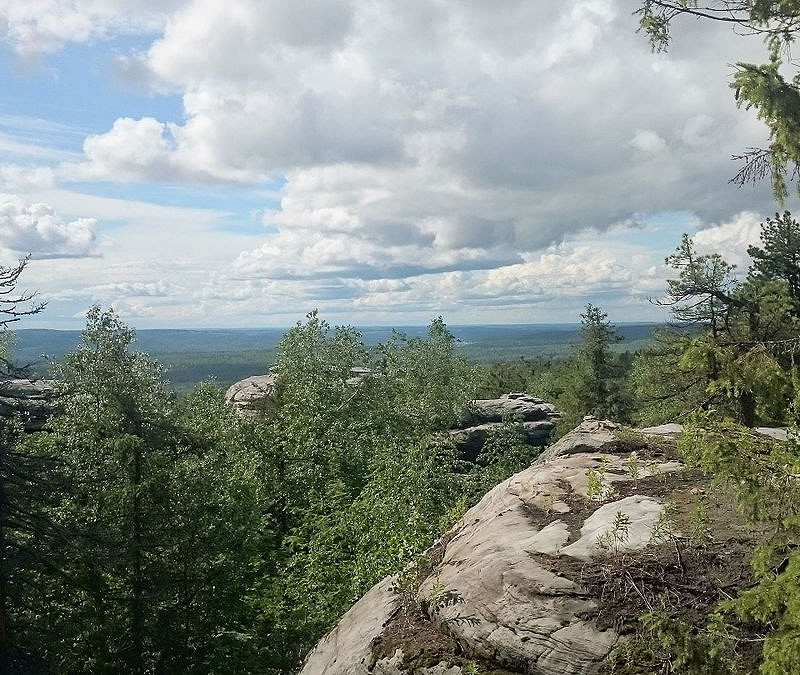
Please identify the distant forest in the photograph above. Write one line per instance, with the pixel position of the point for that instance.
(148, 530)
(192, 356)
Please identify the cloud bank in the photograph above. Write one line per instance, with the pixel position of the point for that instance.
(428, 152)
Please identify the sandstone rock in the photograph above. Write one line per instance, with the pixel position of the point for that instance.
(671, 429)
(483, 416)
(592, 436)
(514, 585)
(253, 393)
(30, 401)
(777, 433)
(470, 441)
(522, 406)
(346, 650)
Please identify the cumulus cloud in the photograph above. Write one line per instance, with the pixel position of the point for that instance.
(648, 142)
(36, 26)
(434, 136)
(429, 153)
(37, 229)
(18, 178)
(732, 238)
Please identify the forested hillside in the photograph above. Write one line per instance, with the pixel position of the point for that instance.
(149, 532)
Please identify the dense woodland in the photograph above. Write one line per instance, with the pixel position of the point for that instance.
(149, 532)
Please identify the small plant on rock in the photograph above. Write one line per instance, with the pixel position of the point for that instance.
(613, 540)
(596, 487)
(634, 471)
(471, 668)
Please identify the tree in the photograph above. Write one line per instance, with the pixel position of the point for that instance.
(763, 87)
(725, 327)
(23, 476)
(778, 257)
(358, 480)
(597, 384)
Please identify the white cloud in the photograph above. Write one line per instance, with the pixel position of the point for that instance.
(648, 142)
(37, 229)
(36, 26)
(436, 136)
(18, 178)
(435, 154)
(732, 238)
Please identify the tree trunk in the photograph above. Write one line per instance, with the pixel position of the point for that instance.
(3, 552)
(747, 408)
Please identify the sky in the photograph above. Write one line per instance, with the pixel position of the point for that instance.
(197, 163)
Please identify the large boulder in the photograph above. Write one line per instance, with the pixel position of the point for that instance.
(29, 401)
(482, 417)
(549, 571)
(253, 394)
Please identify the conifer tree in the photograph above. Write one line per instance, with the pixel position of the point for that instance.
(778, 257)
(25, 483)
(597, 385)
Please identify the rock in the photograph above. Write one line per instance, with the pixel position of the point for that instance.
(671, 429)
(777, 433)
(30, 401)
(592, 436)
(253, 394)
(257, 393)
(526, 581)
(521, 406)
(476, 422)
(470, 441)
(347, 648)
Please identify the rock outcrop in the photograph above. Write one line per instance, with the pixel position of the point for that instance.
(29, 401)
(474, 424)
(253, 394)
(483, 416)
(550, 570)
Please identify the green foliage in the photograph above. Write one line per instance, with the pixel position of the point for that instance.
(594, 380)
(665, 645)
(149, 580)
(501, 378)
(778, 257)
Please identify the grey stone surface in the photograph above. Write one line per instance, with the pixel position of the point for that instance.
(253, 393)
(522, 406)
(29, 401)
(598, 529)
(591, 436)
(482, 417)
(346, 649)
(777, 433)
(671, 429)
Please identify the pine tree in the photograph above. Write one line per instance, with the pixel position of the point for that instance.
(778, 257)
(26, 484)
(598, 384)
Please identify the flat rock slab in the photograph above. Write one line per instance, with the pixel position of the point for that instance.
(30, 401)
(252, 393)
(346, 650)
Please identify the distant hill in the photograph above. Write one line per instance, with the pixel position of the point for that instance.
(232, 354)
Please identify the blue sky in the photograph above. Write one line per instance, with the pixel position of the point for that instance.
(198, 164)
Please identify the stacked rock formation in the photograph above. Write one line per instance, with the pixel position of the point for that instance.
(253, 394)
(483, 416)
(538, 576)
